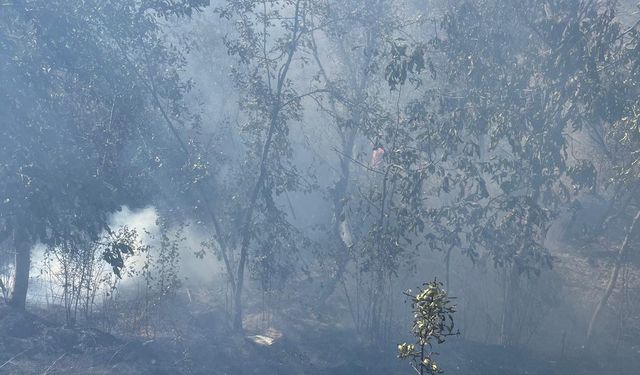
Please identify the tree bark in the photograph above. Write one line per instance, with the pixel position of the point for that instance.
(23, 266)
(512, 279)
(613, 279)
(447, 263)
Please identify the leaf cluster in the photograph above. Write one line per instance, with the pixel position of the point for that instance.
(432, 324)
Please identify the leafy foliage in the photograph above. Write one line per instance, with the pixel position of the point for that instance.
(120, 245)
(82, 82)
(404, 63)
(432, 323)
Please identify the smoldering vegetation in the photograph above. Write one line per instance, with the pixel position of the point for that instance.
(319, 187)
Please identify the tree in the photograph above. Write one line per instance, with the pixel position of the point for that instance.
(513, 102)
(618, 141)
(355, 34)
(377, 213)
(74, 100)
(266, 42)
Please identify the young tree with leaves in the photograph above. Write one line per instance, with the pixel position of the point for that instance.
(267, 41)
(432, 324)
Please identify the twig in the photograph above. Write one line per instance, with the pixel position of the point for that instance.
(53, 364)
(301, 96)
(356, 161)
(3, 290)
(118, 351)
(12, 358)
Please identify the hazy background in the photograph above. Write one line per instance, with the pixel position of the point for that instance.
(201, 180)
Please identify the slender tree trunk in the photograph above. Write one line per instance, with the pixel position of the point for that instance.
(341, 228)
(613, 279)
(23, 265)
(246, 228)
(262, 174)
(421, 359)
(447, 262)
(512, 279)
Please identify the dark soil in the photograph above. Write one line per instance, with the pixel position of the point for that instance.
(31, 345)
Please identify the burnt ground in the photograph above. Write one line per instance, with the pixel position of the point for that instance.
(30, 344)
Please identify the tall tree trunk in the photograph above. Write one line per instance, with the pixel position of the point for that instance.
(613, 279)
(23, 265)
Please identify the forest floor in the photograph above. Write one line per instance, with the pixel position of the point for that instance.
(32, 345)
